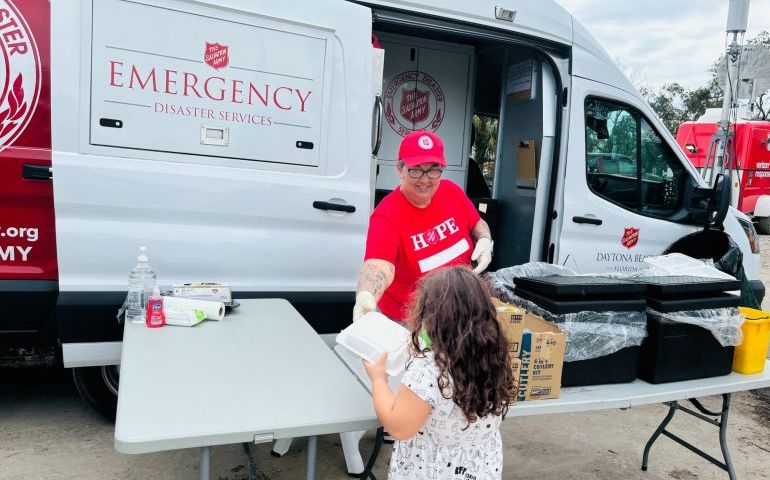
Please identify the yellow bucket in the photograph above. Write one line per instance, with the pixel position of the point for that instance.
(751, 354)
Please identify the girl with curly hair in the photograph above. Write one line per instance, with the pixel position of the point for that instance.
(448, 408)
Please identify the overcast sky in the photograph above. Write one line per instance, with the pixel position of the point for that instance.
(667, 40)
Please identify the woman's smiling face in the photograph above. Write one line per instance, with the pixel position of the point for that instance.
(419, 191)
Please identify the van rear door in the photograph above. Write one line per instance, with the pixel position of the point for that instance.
(233, 142)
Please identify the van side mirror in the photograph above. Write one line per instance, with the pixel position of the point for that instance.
(719, 202)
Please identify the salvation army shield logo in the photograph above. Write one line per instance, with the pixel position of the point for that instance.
(431, 237)
(216, 55)
(414, 105)
(630, 237)
(20, 79)
(414, 101)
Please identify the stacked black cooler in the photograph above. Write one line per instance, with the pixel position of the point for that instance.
(675, 351)
(564, 295)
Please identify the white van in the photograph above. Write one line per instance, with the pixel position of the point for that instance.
(234, 139)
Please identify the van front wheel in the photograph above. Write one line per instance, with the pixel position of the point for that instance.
(98, 386)
(763, 225)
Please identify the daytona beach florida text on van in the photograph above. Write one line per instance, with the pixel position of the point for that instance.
(216, 88)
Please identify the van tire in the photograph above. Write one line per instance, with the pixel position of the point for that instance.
(98, 386)
(763, 225)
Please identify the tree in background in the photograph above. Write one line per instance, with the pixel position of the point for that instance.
(484, 148)
(754, 87)
(760, 66)
(675, 103)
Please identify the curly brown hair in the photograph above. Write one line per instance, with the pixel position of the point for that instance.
(453, 306)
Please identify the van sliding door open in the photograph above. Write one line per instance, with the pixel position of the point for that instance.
(495, 102)
(525, 152)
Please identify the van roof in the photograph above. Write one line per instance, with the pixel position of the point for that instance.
(544, 19)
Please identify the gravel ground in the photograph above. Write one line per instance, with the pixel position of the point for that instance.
(46, 432)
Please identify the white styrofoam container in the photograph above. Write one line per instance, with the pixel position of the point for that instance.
(374, 334)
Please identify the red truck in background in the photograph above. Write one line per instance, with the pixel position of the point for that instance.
(751, 141)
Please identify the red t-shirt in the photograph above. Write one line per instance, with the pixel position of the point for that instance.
(418, 240)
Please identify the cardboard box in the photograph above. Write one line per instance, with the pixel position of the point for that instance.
(511, 319)
(537, 351)
(526, 166)
(214, 292)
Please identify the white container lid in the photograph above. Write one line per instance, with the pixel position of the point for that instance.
(374, 334)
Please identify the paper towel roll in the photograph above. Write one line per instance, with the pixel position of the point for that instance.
(213, 310)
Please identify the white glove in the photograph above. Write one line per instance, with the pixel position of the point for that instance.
(365, 303)
(482, 254)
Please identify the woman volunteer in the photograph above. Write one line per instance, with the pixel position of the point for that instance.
(423, 224)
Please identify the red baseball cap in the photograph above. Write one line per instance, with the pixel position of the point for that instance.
(420, 147)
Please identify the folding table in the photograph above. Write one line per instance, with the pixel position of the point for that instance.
(627, 395)
(260, 374)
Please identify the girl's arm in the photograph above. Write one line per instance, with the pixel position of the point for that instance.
(403, 413)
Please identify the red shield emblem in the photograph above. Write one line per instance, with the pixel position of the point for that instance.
(415, 104)
(630, 237)
(216, 55)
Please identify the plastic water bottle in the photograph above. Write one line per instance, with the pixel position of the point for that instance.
(141, 281)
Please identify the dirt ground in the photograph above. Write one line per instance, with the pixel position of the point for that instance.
(47, 432)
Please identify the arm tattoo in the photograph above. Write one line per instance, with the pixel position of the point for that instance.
(374, 280)
(375, 277)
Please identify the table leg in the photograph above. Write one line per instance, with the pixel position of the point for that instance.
(205, 462)
(723, 436)
(378, 439)
(312, 446)
(702, 414)
(656, 434)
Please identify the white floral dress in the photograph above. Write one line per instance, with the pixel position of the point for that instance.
(444, 448)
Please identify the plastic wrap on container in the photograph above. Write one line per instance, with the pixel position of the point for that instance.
(723, 323)
(589, 334)
(594, 334)
(502, 281)
(672, 264)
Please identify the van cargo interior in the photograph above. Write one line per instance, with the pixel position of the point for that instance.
(507, 132)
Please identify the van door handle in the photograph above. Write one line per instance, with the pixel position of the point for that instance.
(588, 220)
(334, 206)
(36, 172)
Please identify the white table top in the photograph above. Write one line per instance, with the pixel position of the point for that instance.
(262, 371)
(639, 392)
(605, 397)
